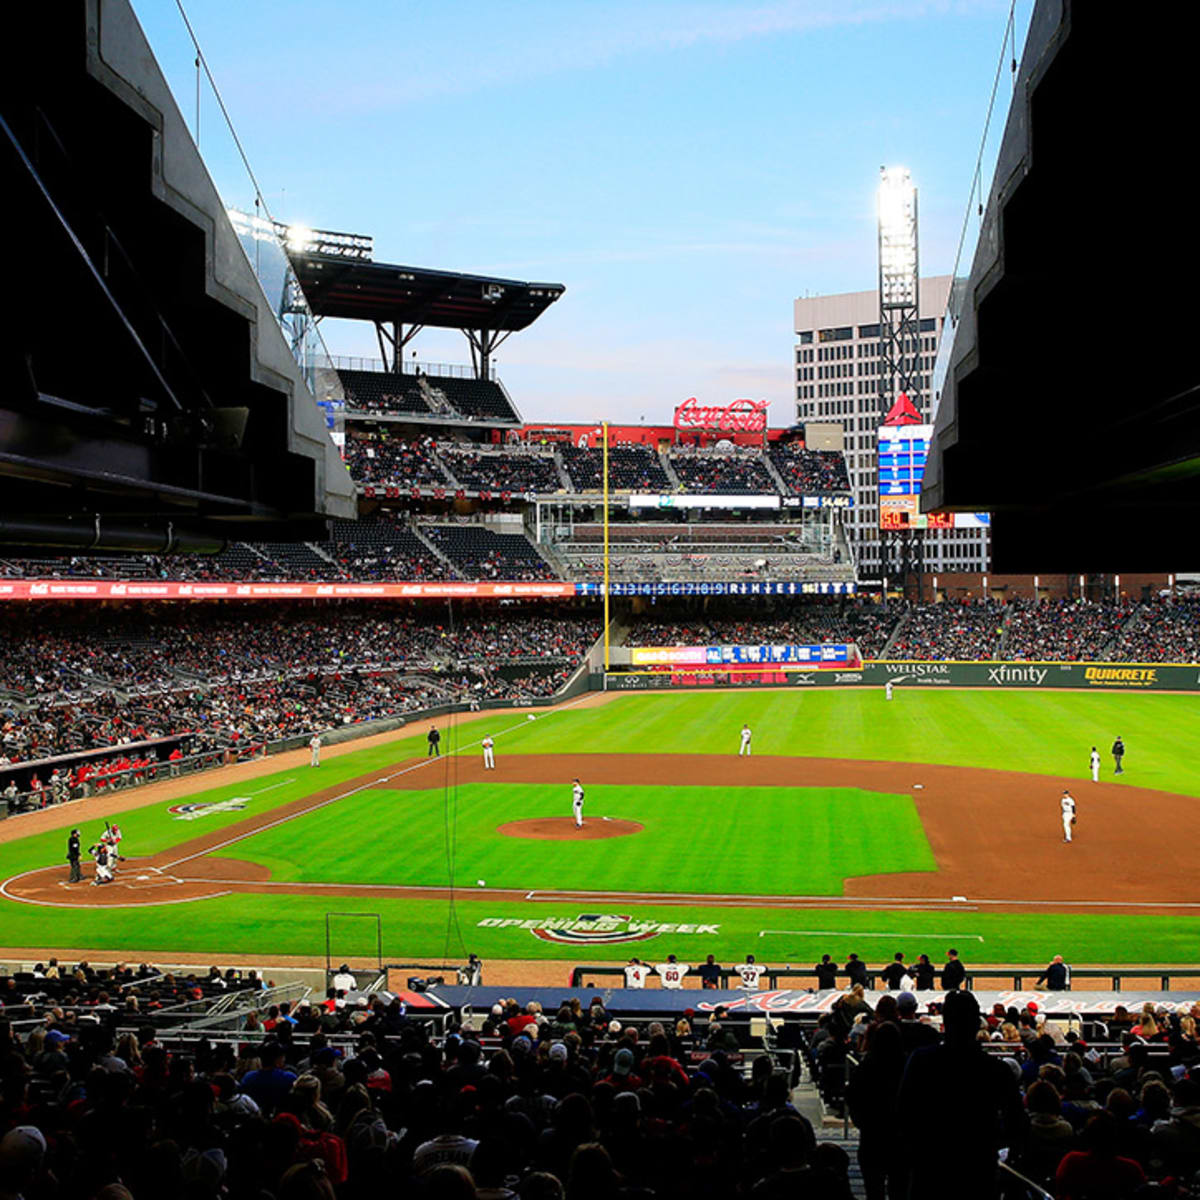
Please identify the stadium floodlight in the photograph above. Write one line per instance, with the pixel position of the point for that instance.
(897, 237)
(299, 238)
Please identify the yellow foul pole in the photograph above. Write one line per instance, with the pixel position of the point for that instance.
(604, 431)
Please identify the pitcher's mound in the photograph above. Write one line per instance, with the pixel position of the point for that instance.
(563, 829)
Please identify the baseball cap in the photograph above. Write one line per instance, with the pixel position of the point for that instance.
(623, 1062)
(22, 1147)
(57, 1037)
(614, 1027)
(558, 1051)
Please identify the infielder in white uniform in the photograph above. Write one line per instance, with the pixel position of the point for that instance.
(672, 972)
(489, 755)
(744, 748)
(749, 973)
(314, 745)
(577, 803)
(1068, 814)
(887, 690)
(635, 973)
(1095, 761)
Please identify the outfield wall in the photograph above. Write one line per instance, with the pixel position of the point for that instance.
(1137, 677)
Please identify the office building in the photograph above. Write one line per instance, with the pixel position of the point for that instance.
(837, 379)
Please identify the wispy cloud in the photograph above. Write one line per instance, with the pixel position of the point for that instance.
(582, 37)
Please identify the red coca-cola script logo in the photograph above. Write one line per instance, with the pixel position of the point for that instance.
(742, 416)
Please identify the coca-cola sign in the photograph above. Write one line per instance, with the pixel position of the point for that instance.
(742, 416)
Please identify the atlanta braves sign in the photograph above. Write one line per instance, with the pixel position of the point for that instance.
(742, 416)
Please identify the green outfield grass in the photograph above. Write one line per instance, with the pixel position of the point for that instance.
(696, 839)
(799, 841)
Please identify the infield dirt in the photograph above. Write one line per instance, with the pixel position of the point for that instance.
(996, 837)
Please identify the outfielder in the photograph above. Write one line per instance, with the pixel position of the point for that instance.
(1095, 761)
(887, 690)
(314, 746)
(1068, 814)
(489, 754)
(744, 748)
(577, 803)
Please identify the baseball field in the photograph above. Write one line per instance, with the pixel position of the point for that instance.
(856, 824)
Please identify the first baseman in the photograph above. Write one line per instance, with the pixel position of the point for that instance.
(1068, 814)
(577, 803)
(314, 746)
(887, 690)
(489, 755)
(744, 748)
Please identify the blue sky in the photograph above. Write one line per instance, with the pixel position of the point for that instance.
(685, 169)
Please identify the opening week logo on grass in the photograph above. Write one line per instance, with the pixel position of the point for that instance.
(191, 812)
(594, 929)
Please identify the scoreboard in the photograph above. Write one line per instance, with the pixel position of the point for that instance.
(902, 450)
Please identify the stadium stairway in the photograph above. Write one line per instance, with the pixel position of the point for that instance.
(1002, 645)
(563, 478)
(550, 558)
(669, 471)
(776, 478)
(899, 628)
(429, 545)
(1127, 626)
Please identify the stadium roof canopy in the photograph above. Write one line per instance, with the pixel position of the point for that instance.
(1071, 405)
(384, 292)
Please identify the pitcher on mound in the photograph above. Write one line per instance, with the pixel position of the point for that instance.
(577, 803)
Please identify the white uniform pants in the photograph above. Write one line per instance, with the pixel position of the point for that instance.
(578, 807)
(1096, 773)
(489, 759)
(1066, 827)
(744, 748)
(316, 758)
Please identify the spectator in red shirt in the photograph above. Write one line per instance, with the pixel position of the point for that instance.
(1096, 1172)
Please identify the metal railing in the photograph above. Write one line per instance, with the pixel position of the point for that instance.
(1016, 977)
(345, 362)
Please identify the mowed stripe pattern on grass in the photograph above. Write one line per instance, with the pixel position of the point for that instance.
(721, 841)
(1050, 732)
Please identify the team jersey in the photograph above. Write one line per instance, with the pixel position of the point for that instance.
(671, 974)
(1095, 758)
(635, 975)
(745, 735)
(577, 792)
(1068, 806)
(750, 974)
(487, 743)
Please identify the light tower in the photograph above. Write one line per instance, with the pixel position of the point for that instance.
(899, 338)
(899, 288)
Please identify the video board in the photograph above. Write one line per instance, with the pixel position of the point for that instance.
(901, 455)
(810, 655)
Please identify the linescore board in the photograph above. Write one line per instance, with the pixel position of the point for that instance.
(902, 450)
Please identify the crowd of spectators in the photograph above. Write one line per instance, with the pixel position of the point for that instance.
(375, 458)
(498, 471)
(730, 472)
(952, 629)
(1165, 630)
(633, 468)
(1066, 630)
(94, 679)
(810, 471)
(478, 552)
